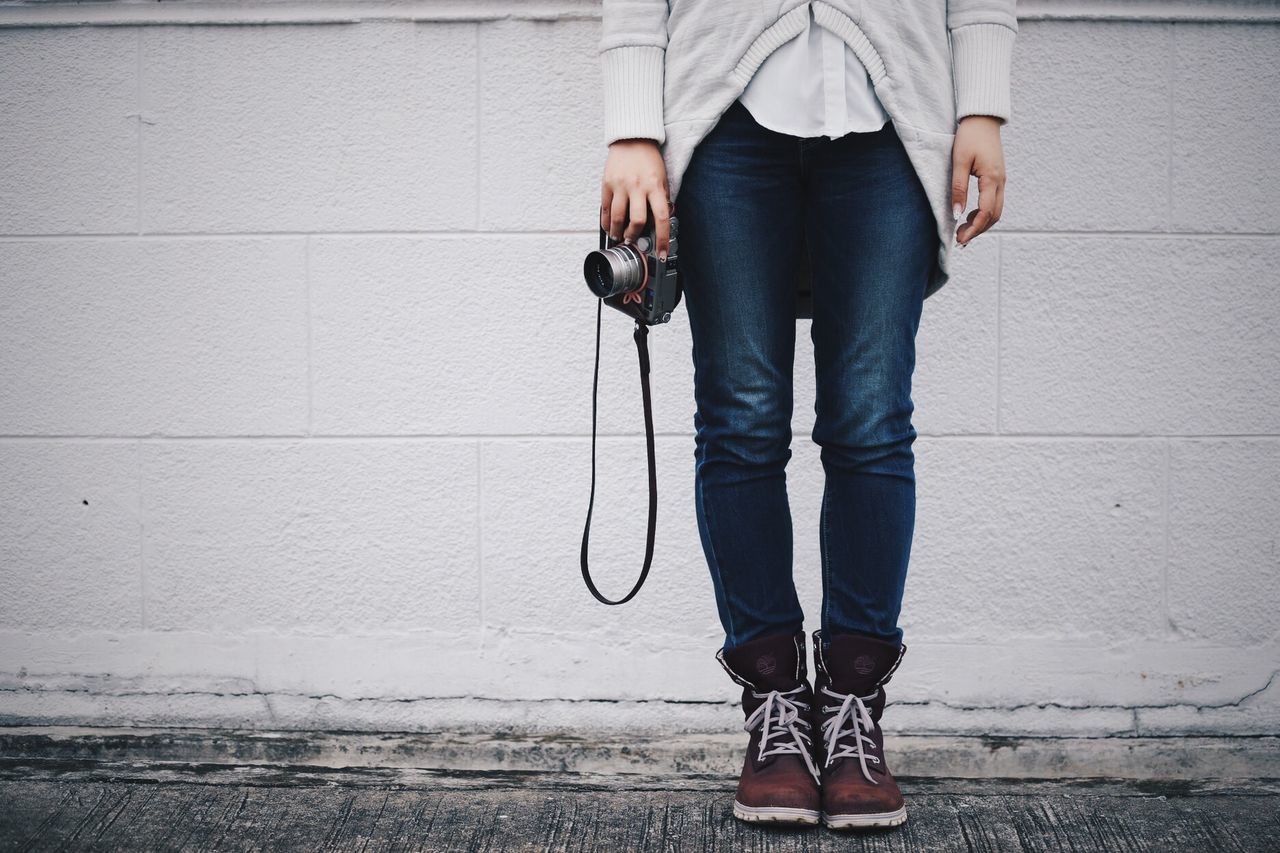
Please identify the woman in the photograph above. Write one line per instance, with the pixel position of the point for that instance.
(819, 152)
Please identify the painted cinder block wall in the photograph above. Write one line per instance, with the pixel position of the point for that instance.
(295, 375)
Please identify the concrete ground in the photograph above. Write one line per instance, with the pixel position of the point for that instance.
(193, 808)
(199, 792)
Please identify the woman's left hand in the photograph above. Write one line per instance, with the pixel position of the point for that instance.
(977, 151)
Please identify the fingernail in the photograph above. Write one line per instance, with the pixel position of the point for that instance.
(956, 210)
(663, 257)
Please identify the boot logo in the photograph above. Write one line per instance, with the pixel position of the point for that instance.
(864, 664)
(766, 664)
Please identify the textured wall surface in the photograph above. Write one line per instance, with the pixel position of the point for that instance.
(295, 377)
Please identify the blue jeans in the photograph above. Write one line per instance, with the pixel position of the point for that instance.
(748, 199)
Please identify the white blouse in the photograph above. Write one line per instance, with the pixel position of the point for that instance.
(814, 85)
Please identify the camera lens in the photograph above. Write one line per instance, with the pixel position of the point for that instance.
(618, 269)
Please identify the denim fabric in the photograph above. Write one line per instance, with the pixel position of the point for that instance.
(751, 201)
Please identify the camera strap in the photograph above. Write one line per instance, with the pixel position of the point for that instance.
(642, 348)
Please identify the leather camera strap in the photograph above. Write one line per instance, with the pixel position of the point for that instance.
(642, 347)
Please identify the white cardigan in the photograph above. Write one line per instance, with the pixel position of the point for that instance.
(814, 85)
(672, 67)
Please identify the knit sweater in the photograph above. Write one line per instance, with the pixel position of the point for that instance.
(672, 67)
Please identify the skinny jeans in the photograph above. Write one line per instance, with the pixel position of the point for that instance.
(751, 201)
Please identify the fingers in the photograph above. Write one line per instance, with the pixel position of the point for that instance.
(617, 215)
(634, 181)
(639, 215)
(990, 206)
(961, 168)
(633, 208)
(661, 221)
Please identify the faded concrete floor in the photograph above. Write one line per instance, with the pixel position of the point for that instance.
(67, 805)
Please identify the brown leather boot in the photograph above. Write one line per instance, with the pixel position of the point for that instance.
(857, 788)
(780, 778)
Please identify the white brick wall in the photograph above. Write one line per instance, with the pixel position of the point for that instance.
(295, 372)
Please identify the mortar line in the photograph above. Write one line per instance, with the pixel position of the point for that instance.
(480, 535)
(139, 450)
(306, 275)
(1166, 500)
(999, 336)
(478, 148)
(1169, 81)
(222, 13)
(626, 437)
(137, 105)
(545, 233)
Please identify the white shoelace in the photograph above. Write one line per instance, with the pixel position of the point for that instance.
(781, 714)
(852, 711)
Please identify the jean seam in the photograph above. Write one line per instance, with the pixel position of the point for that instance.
(826, 560)
(715, 559)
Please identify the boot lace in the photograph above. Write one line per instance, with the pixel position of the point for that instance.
(852, 718)
(782, 714)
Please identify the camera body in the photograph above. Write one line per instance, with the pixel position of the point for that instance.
(631, 278)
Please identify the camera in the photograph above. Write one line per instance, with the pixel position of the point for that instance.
(631, 278)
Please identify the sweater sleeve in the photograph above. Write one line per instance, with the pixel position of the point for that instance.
(633, 46)
(982, 34)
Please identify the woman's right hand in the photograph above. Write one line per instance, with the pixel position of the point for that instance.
(635, 180)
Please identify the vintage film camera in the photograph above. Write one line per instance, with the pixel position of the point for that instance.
(631, 278)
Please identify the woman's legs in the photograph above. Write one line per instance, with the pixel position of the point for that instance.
(873, 243)
(740, 236)
(746, 196)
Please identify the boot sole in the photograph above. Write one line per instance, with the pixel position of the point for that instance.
(871, 819)
(775, 814)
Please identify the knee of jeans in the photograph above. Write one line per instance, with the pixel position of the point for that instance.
(747, 440)
(867, 439)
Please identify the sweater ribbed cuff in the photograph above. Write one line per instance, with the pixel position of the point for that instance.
(633, 94)
(982, 55)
